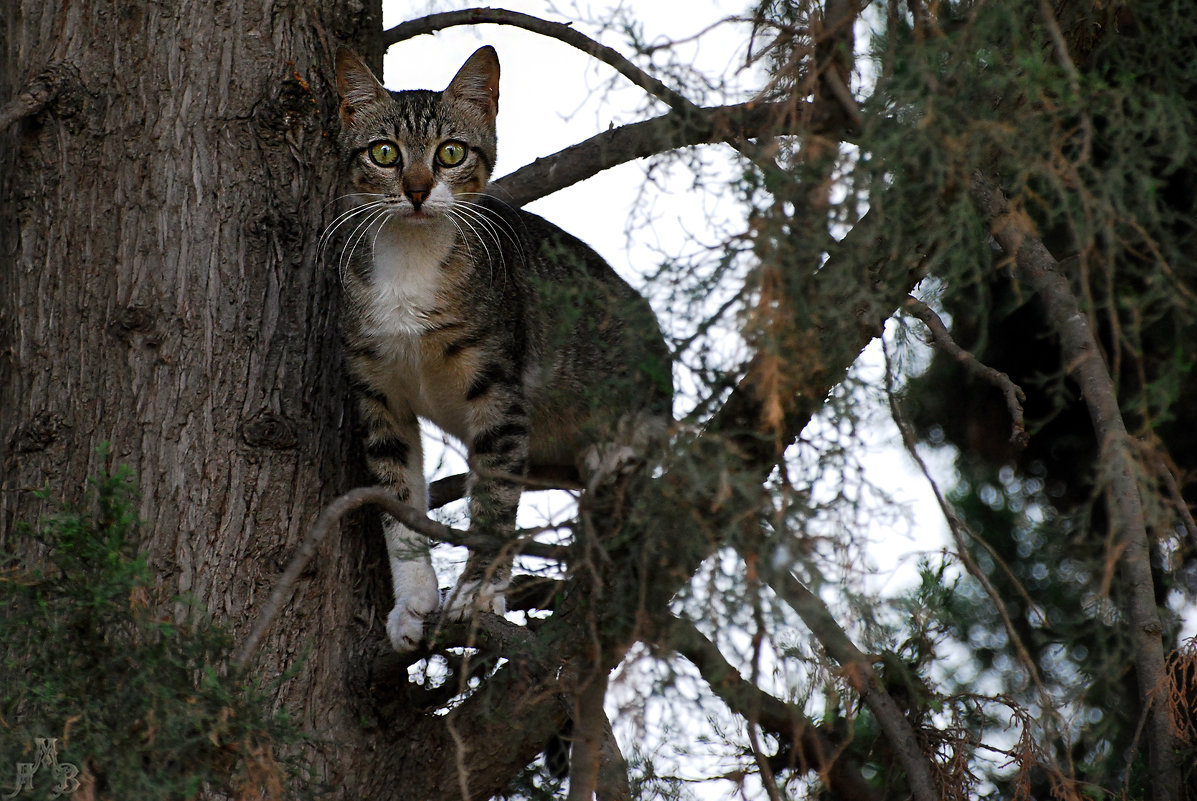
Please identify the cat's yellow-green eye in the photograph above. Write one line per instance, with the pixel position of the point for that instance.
(384, 154)
(451, 153)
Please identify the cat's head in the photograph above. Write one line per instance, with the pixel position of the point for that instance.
(418, 149)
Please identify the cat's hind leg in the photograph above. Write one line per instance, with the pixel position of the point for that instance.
(498, 460)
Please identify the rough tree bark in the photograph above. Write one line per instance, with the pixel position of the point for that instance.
(162, 185)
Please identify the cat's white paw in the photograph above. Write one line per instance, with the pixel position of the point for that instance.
(415, 600)
(469, 597)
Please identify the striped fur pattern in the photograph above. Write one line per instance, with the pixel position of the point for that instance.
(503, 330)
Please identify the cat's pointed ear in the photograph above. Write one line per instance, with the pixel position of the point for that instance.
(477, 81)
(356, 84)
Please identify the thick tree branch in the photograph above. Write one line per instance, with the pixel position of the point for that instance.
(813, 749)
(452, 488)
(688, 124)
(641, 139)
(590, 725)
(613, 768)
(1081, 352)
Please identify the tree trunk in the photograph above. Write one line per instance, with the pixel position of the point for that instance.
(160, 291)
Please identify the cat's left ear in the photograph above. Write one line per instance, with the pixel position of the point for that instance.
(477, 81)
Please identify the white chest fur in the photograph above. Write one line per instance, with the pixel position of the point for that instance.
(405, 286)
(407, 274)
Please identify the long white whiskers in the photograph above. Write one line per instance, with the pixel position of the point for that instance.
(377, 212)
(340, 220)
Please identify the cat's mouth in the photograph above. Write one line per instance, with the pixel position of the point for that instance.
(421, 213)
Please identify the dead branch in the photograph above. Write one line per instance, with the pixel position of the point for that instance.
(942, 340)
(1081, 352)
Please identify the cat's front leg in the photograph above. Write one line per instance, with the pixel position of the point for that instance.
(395, 455)
(498, 460)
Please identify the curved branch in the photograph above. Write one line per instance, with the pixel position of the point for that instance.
(556, 30)
(688, 124)
(942, 339)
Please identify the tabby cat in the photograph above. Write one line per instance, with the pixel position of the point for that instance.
(490, 322)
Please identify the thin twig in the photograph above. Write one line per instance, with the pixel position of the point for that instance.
(942, 340)
(330, 517)
(753, 720)
(1178, 499)
(959, 528)
(1074, 76)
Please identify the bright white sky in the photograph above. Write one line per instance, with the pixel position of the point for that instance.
(551, 96)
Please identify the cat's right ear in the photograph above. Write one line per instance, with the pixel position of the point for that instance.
(356, 84)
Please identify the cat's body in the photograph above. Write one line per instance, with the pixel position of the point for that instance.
(506, 332)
